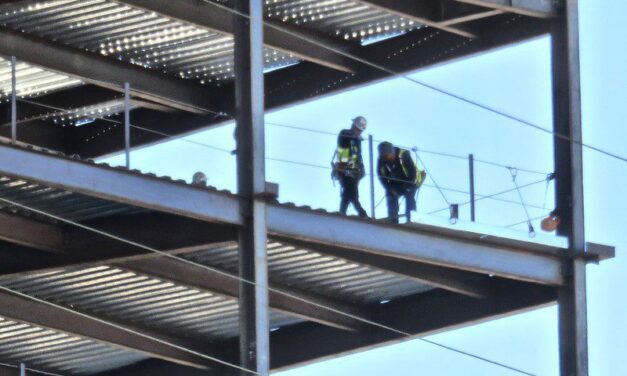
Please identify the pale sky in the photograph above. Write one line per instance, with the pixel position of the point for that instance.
(515, 80)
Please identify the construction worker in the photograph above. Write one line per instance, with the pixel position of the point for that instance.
(400, 178)
(199, 178)
(349, 166)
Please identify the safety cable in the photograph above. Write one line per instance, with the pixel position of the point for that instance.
(493, 195)
(439, 188)
(26, 120)
(415, 150)
(420, 83)
(56, 108)
(527, 220)
(424, 151)
(442, 188)
(380, 201)
(32, 370)
(184, 139)
(496, 164)
(514, 173)
(236, 277)
(217, 148)
(230, 152)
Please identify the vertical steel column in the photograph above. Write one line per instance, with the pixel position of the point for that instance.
(13, 99)
(371, 151)
(471, 175)
(249, 93)
(127, 123)
(573, 327)
(22, 369)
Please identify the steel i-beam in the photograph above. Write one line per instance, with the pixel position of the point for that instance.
(249, 99)
(572, 324)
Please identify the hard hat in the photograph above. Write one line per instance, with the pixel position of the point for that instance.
(360, 123)
(199, 178)
(386, 148)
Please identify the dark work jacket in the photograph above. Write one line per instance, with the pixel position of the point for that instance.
(398, 174)
(346, 140)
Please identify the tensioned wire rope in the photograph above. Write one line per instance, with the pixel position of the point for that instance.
(434, 186)
(420, 83)
(230, 152)
(494, 195)
(185, 139)
(421, 150)
(527, 221)
(229, 275)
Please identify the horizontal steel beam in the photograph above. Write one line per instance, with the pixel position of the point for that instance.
(452, 249)
(168, 233)
(470, 17)
(532, 8)
(107, 72)
(37, 313)
(298, 42)
(478, 256)
(30, 233)
(416, 11)
(120, 185)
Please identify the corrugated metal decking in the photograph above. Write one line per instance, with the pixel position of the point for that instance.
(156, 42)
(346, 19)
(137, 36)
(32, 81)
(58, 352)
(126, 296)
(318, 273)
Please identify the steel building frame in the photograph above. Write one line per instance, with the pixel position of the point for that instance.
(431, 271)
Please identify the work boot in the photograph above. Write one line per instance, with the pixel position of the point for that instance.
(362, 213)
(343, 206)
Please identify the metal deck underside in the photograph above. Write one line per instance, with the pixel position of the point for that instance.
(75, 55)
(196, 307)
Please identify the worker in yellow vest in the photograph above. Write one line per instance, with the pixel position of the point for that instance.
(348, 165)
(400, 177)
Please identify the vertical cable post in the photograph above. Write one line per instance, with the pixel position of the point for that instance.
(13, 99)
(127, 123)
(371, 156)
(471, 175)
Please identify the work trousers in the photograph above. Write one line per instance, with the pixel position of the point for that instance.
(392, 196)
(350, 195)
